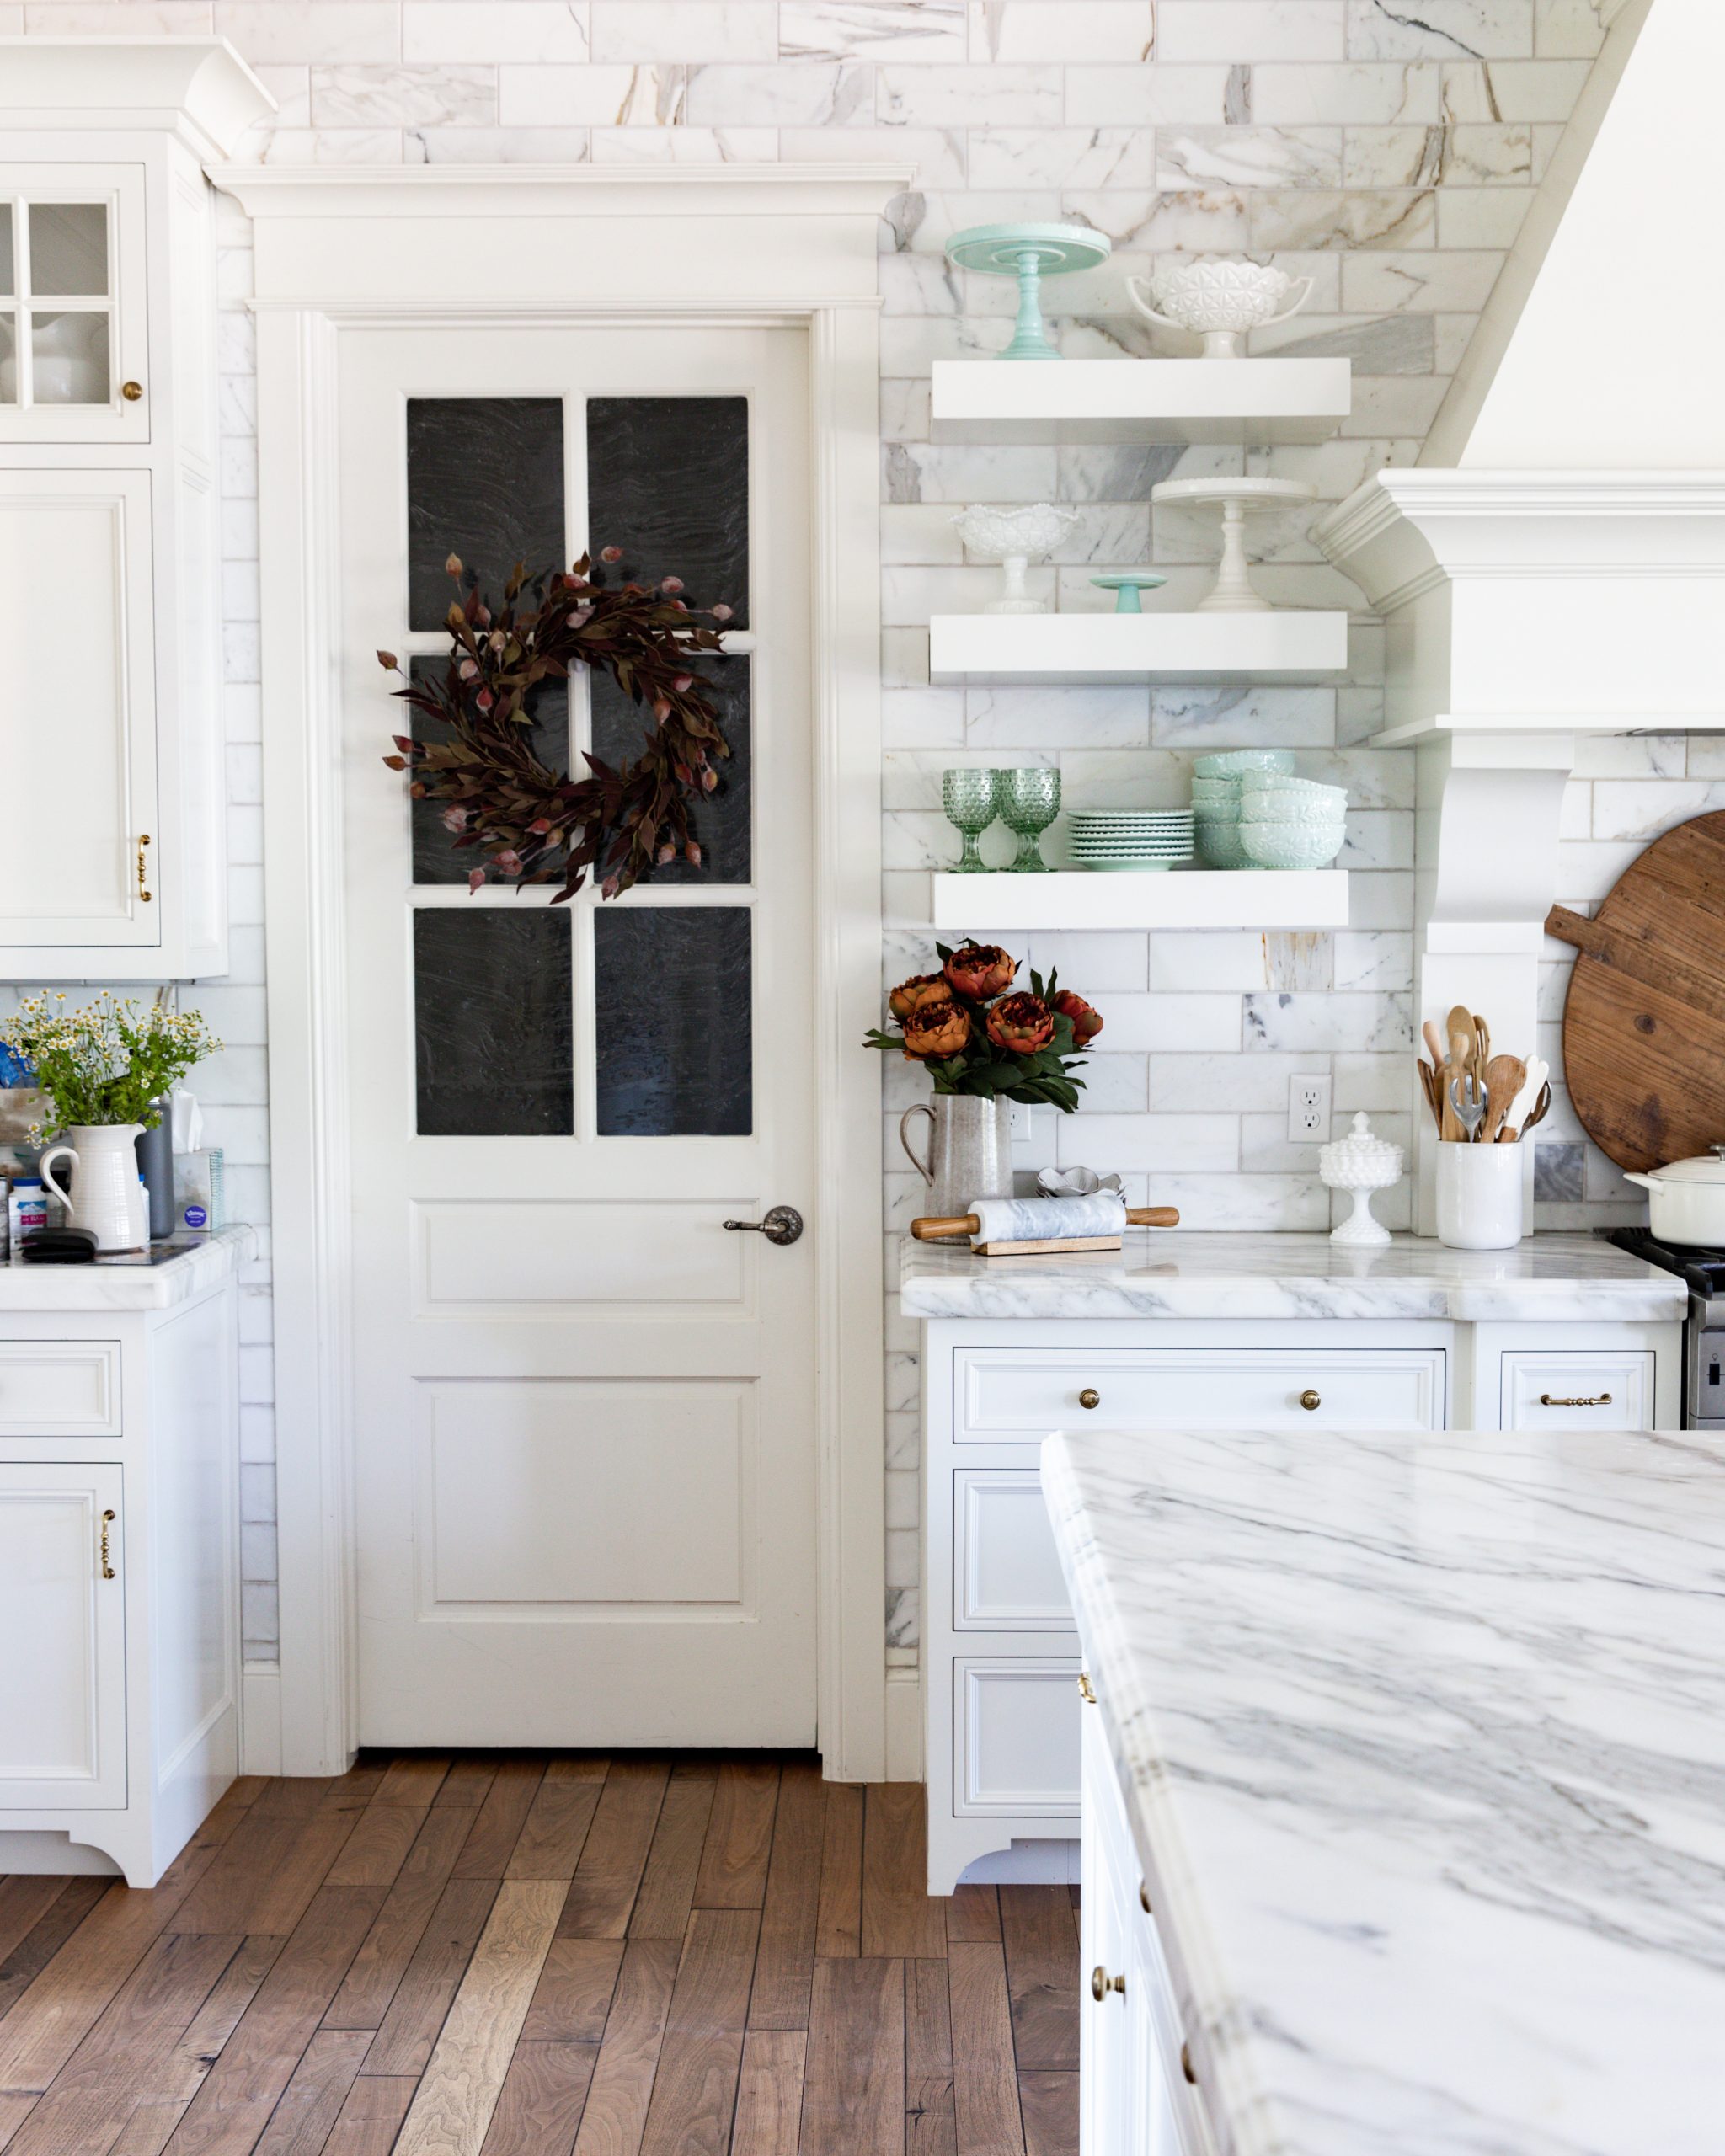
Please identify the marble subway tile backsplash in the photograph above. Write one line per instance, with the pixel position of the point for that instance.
(1387, 151)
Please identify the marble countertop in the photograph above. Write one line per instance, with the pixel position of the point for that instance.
(1422, 1743)
(168, 1276)
(1163, 1274)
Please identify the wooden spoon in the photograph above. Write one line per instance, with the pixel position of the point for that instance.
(1481, 1047)
(1505, 1076)
(1459, 1026)
(1434, 1041)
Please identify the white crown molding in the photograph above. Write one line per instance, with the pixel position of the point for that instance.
(441, 191)
(561, 238)
(196, 87)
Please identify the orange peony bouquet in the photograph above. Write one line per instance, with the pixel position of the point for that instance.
(977, 1034)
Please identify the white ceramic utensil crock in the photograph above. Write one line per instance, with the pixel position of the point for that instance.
(1686, 1200)
(1479, 1196)
(107, 1198)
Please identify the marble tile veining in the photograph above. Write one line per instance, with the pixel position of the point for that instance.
(1559, 1280)
(1422, 1740)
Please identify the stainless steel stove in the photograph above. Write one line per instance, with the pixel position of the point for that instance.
(1702, 1272)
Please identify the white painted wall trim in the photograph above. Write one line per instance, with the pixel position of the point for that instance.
(260, 1718)
(628, 240)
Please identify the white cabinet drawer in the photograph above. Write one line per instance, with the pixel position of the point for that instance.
(1016, 1736)
(1604, 1389)
(1004, 1396)
(1006, 1574)
(59, 1388)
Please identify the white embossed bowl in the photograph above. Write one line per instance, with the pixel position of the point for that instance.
(1220, 297)
(1014, 537)
(1293, 845)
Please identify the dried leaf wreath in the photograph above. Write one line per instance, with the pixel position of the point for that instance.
(535, 824)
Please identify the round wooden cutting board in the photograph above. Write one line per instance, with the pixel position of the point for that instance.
(1644, 1025)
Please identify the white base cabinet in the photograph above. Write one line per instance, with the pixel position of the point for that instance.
(119, 1580)
(1138, 2088)
(1001, 1656)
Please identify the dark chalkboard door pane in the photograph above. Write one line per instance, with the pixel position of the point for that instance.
(493, 1029)
(437, 858)
(485, 481)
(724, 821)
(673, 1021)
(668, 482)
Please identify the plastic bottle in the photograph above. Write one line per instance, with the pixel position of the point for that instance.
(26, 1209)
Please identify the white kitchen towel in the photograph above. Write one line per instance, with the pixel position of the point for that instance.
(1044, 1219)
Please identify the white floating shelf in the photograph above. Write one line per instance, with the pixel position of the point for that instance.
(1052, 648)
(1255, 402)
(1174, 898)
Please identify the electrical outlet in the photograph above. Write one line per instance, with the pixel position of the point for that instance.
(1308, 1111)
(1028, 1119)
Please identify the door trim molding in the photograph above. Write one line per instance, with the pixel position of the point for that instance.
(639, 227)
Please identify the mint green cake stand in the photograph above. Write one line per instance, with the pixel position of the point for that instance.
(1028, 253)
(1126, 584)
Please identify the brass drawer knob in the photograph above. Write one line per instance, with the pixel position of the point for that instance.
(1186, 2064)
(1144, 1897)
(131, 390)
(1101, 1983)
(1086, 1690)
(1311, 1400)
(1090, 1397)
(1553, 1399)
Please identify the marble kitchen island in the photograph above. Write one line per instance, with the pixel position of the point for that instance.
(1418, 1748)
(1204, 1332)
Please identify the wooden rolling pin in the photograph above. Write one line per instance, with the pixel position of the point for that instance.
(967, 1224)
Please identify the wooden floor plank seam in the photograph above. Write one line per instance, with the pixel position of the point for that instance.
(712, 1953)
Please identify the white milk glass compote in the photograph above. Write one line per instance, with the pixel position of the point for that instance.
(1014, 537)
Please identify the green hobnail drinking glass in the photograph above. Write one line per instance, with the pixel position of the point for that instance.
(970, 799)
(1029, 801)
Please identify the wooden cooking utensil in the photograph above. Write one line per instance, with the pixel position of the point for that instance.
(1644, 1024)
(1435, 1043)
(1461, 1034)
(1505, 1076)
(1431, 1084)
(1481, 1047)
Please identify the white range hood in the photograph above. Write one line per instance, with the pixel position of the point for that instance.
(1556, 565)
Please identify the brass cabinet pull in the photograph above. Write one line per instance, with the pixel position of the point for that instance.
(131, 390)
(106, 1522)
(143, 891)
(1311, 1402)
(1186, 2064)
(1090, 1397)
(1550, 1400)
(1144, 1897)
(1086, 1690)
(1101, 1983)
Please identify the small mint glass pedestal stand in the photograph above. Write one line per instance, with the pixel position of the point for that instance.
(1126, 584)
(1028, 253)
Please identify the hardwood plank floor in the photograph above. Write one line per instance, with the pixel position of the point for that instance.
(506, 1955)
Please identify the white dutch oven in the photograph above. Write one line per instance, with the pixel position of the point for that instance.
(1688, 1200)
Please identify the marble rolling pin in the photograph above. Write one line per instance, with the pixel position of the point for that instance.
(1014, 1227)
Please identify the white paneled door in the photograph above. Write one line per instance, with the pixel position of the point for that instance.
(584, 1457)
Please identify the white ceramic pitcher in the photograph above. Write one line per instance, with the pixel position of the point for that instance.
(107, 1199)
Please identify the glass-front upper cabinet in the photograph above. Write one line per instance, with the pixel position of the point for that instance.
(73, 336)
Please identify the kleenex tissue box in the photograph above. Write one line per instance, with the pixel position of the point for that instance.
(198, 1202)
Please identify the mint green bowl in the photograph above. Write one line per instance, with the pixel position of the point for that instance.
(1293, 845)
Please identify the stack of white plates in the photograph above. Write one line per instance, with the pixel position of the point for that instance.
(1129, 838)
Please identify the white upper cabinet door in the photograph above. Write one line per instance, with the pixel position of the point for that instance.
(78, 869)
(62, 1611)
(73, 323)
